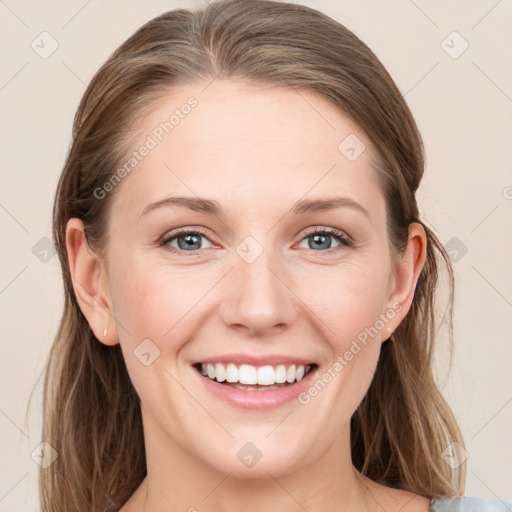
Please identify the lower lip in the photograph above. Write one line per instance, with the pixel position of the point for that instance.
(256, 400)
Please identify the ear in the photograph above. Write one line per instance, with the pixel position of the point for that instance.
(405, 276)
(90, 284)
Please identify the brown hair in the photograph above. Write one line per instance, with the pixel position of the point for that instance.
(92, 412)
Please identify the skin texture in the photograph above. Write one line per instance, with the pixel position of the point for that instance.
(256, 151)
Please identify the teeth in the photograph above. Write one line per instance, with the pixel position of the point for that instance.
(290, 374)
(251, 375)
(231, 373)
(280, 374)
(247, 374)
(220, 373)
(265, 376)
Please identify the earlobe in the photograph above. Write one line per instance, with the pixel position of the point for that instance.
(90, 283)
(407, 273)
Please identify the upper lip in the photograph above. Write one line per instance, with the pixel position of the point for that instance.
(253, 360)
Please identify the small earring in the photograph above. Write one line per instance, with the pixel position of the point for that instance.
(105, 332)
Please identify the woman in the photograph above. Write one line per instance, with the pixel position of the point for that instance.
(249, 318)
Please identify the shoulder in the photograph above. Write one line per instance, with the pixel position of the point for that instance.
(467, 504)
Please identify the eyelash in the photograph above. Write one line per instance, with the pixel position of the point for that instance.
(340, 236)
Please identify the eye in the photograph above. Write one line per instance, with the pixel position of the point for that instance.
(320, 239)
(187, 240)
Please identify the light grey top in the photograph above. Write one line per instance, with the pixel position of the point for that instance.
(467, 504)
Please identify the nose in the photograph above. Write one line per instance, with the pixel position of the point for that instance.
(257, 298)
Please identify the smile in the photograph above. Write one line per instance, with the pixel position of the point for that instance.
(255, 383)
(252, 378)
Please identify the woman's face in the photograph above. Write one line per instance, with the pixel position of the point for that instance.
(250, 290)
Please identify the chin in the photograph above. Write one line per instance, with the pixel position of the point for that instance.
(260, 457)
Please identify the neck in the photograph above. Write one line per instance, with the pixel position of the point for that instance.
(266, 495)
(177, 481)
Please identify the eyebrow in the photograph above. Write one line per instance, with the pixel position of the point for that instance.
(212, 207)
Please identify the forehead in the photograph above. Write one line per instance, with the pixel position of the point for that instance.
(249, 146)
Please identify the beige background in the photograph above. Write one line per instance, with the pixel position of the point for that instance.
(463, 107)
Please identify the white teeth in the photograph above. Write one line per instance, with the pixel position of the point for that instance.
(266, 376)
(290, 374)
(231, 373)
(220, 372)
(280, 374)
(247, 374)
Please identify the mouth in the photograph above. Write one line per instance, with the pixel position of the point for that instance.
(247, 377)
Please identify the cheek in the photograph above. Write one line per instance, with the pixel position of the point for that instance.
(351, 309)
(165, 303)
(349, 301)
(156, 303)
(153, 308)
